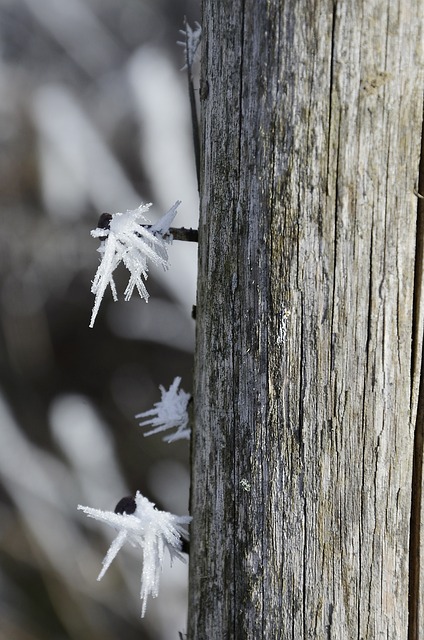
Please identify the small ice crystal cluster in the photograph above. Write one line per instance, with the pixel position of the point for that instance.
(169, 413)
(128, 238)
(191, 43)
(139, 523)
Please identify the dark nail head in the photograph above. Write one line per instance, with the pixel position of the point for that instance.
(104, 221)
(126, 505)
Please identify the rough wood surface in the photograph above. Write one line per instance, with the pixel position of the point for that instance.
(308, 319)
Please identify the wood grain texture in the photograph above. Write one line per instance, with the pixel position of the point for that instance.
(308, 341)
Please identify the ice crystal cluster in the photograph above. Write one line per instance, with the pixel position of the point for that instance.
(128, 238)
(140, 524)
(169, 413)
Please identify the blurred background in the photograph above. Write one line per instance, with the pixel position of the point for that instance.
(94, 117)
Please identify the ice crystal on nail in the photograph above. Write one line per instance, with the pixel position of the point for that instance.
(139, 523)
(169, 413)
(128, 238)
(191, 43)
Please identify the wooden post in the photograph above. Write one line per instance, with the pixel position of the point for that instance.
(309, 322)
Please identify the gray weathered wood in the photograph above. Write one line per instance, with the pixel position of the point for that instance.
(308, 343)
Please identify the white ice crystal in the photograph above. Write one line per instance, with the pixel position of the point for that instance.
(191, 43)
(128, 240)
(169, 413)
(139, 523)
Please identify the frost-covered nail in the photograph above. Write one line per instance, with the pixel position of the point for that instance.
(128, 238)
(151, 530)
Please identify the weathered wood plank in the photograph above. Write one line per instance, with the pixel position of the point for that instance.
(305, 410)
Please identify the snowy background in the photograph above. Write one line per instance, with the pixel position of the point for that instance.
(94, 117)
